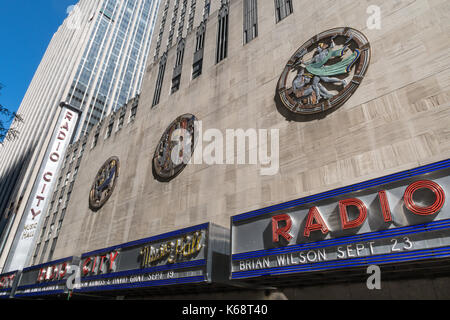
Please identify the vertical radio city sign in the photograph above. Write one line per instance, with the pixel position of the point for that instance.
(43, 186)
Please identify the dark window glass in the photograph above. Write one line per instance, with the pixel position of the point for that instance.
(250, 20)
(159, 80)
(222, 34)
(283, 8)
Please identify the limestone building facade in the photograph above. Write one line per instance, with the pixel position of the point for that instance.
(221, 61)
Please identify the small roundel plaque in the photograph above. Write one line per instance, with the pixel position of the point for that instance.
(324, 72)
(104, 184)
(175, 148)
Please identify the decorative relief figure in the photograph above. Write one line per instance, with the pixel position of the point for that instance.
(175, 148)
(104, 184)
(324, 72)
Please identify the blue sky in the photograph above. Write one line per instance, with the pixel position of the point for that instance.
(26, 28)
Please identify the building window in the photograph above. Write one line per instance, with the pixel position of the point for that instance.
(197, 69)
(283, 8)
(175, 84)
(206, 9)
(75, 172)
(66, 159)
(222, 34)
(67, 198)
(59, 226)
(71, 186)
(180, 53)
(161, 30)
(174, 21)
(176, 77)
(182, 19)
(36, 253)
(121, 119)
(250, 20)
(67, 178)
(74, 155)
(59, 203)
(42, 233)
(94, 142)
(133, 111)
(63, 213)
(109, 130)
(192, 16)
(83, 147)
(160, 79)
(198, 54)
(54, 219)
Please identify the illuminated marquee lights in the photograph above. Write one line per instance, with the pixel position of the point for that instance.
(172, 251)
(420, 210)
(53, 273)
(99, 264)
(385, 208)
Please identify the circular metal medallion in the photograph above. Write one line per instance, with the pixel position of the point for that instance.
(175, 148)
(104, 183)
(324, 72)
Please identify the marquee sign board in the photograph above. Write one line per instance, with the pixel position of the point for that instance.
(46, 279)
(399, 218)
(8, 282)
(192, 255)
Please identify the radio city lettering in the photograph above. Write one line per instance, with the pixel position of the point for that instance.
(282, 226)
(100, 264)
(53, 273)
(316, 223)
(172, 251)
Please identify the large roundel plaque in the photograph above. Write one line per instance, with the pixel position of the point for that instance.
(104, 183)
(324, 72)
(175, 148)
